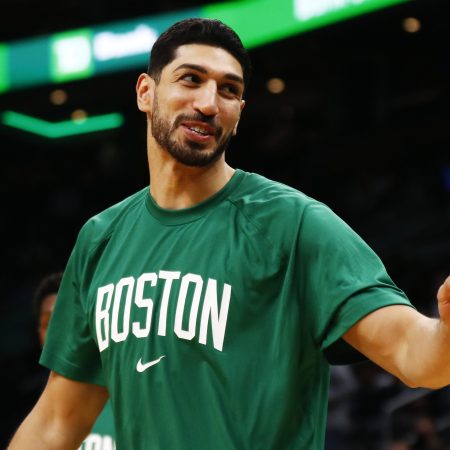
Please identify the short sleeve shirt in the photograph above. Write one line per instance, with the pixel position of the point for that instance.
(208, 325)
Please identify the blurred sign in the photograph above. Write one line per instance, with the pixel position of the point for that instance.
(307, 9)
(110, 45)
(4, 75)
(82, 53)
(91, 51)
(259, 22)
(71, 55)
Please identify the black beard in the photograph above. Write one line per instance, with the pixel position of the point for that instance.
(192, 153)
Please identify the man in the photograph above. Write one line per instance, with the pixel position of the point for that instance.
(204, 306)
(102, 434)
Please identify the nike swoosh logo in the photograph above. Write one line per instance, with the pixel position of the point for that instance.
(140, 366)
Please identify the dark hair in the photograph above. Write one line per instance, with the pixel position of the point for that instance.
(48, 285)
(197, 31)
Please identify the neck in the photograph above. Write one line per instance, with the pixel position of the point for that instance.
(176, 186)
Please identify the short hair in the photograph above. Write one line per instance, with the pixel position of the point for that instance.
(48, 285)
(197, 31)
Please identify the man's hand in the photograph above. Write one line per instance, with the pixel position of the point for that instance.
(443, 297)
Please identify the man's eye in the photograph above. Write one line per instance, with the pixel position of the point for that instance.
(190, 78)
(231, 89)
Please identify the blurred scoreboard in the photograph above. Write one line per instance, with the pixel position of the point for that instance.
(91, 51)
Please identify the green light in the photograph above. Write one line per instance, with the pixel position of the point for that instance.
(259, 22)
(71, 55)
(62, 129)
(4, 78)
(88, 52)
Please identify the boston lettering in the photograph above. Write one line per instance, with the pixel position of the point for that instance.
(115, 301)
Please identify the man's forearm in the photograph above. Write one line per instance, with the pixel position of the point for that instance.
(427, 361)
(63, 416)
(429, 347)
(409, 345)
(39, 431)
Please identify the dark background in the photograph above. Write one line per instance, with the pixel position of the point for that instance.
(363, 125)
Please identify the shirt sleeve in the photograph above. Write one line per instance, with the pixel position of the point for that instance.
(343, 279)
(70, 349)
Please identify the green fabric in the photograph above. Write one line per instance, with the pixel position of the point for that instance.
(102, 434)
(239, 296)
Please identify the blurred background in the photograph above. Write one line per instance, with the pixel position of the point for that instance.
(349, 103)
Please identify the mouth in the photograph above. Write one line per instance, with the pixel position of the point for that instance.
(199, 131)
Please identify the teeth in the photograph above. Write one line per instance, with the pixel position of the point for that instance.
(199, 130)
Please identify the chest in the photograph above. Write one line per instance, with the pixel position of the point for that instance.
(198, 284)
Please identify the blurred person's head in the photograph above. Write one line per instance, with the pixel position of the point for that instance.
(428, 436)
(399, 445)
(197, 31)
(44, 302)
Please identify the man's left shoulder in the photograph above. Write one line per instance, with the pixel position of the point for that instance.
(258, 194)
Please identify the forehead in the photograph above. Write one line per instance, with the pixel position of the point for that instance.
(211, 58)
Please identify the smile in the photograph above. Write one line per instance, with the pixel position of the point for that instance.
(199, 131)
(199, 127)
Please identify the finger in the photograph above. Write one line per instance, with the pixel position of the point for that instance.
(443, 294)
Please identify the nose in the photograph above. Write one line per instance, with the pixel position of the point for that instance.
(206, 100)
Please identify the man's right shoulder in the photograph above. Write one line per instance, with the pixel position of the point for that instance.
(102, 225)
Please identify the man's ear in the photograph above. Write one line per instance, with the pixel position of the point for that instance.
(237, 123)
(145, 87)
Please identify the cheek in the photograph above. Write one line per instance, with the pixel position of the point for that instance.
(231, 118)
(43, 325)
(175, 100)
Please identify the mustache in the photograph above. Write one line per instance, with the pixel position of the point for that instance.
(199, 117)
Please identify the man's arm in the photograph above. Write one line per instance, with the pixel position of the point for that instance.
(62, 417)
(414, 348)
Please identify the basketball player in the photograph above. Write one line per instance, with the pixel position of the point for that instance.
(102, 434)
(207, 304)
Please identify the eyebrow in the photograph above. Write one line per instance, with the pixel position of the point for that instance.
(201, 69)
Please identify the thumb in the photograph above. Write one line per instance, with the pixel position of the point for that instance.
(443, 297)
(443, 294)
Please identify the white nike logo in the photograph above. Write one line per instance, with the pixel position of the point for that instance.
(140, 367)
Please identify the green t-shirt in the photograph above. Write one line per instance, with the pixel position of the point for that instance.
(208, 325)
